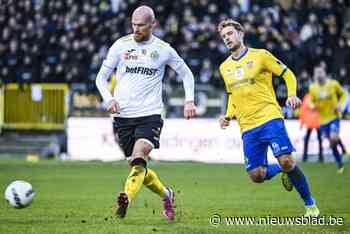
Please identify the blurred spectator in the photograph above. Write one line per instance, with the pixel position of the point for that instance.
(65, 40)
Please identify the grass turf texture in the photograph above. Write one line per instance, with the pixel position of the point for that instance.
(78, 197)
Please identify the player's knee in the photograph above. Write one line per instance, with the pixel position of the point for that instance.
(141, 149)
(286, 162)
(334, 142)
(257, 178)
(257, 175)
(144, 146)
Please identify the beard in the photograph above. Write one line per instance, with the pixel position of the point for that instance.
(321, 80)
(139, 38)
(142, 35)
(235, 47)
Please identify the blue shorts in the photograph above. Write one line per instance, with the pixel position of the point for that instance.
(331, 127)
(257, 140)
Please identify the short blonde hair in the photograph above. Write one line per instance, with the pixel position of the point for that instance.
(230, 22)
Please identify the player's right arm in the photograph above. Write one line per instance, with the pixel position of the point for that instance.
(107, 68)
(230, 109)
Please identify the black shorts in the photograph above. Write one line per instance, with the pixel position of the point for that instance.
(129, 130)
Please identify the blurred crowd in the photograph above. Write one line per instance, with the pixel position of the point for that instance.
(66, 40)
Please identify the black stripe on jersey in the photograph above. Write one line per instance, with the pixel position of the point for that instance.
(227, 97)
(284, 71)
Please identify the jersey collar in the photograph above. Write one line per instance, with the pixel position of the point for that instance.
(243, 52)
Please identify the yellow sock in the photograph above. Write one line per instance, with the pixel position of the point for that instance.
(153, 183)
(134, 181)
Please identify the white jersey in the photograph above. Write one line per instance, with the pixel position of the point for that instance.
(140, 69)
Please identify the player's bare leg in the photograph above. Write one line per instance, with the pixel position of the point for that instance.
(257, 175)
(262, 173)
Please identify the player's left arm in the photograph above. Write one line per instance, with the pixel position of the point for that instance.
(275, 66)
(342, 95)
(182, 70)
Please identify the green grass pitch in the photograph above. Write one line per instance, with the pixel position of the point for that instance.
(79, 197)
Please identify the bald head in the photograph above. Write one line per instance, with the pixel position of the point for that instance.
(144, 12)
(142, 21)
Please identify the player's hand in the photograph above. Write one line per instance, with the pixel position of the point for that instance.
(224, 122)
(113, 107)
(189, 110)
(338, 109)
(293, 102)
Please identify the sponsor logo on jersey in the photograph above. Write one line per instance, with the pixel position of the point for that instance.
(275, 147)
(250, 64)
(133, 54)
(244, 82)
(141, 70)
(323, 95)
(130, 54)
(284, 147)
(144, 55)
(154, 55)
(239, 72)
(229, 72)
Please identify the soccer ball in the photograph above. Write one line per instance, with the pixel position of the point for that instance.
(19, 194)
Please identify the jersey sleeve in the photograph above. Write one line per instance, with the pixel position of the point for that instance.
(272, 64)
(230, 109)
(113, 56)
(341, 93)
(182, 70)
(276, 67)
(106, 71)
(175, 61)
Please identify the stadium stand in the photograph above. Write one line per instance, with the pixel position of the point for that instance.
(65, 41)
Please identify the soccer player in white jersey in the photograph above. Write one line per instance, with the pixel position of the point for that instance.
(140, 59)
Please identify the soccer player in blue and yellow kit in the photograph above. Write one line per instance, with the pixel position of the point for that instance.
(247, 74)
(327, 96)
